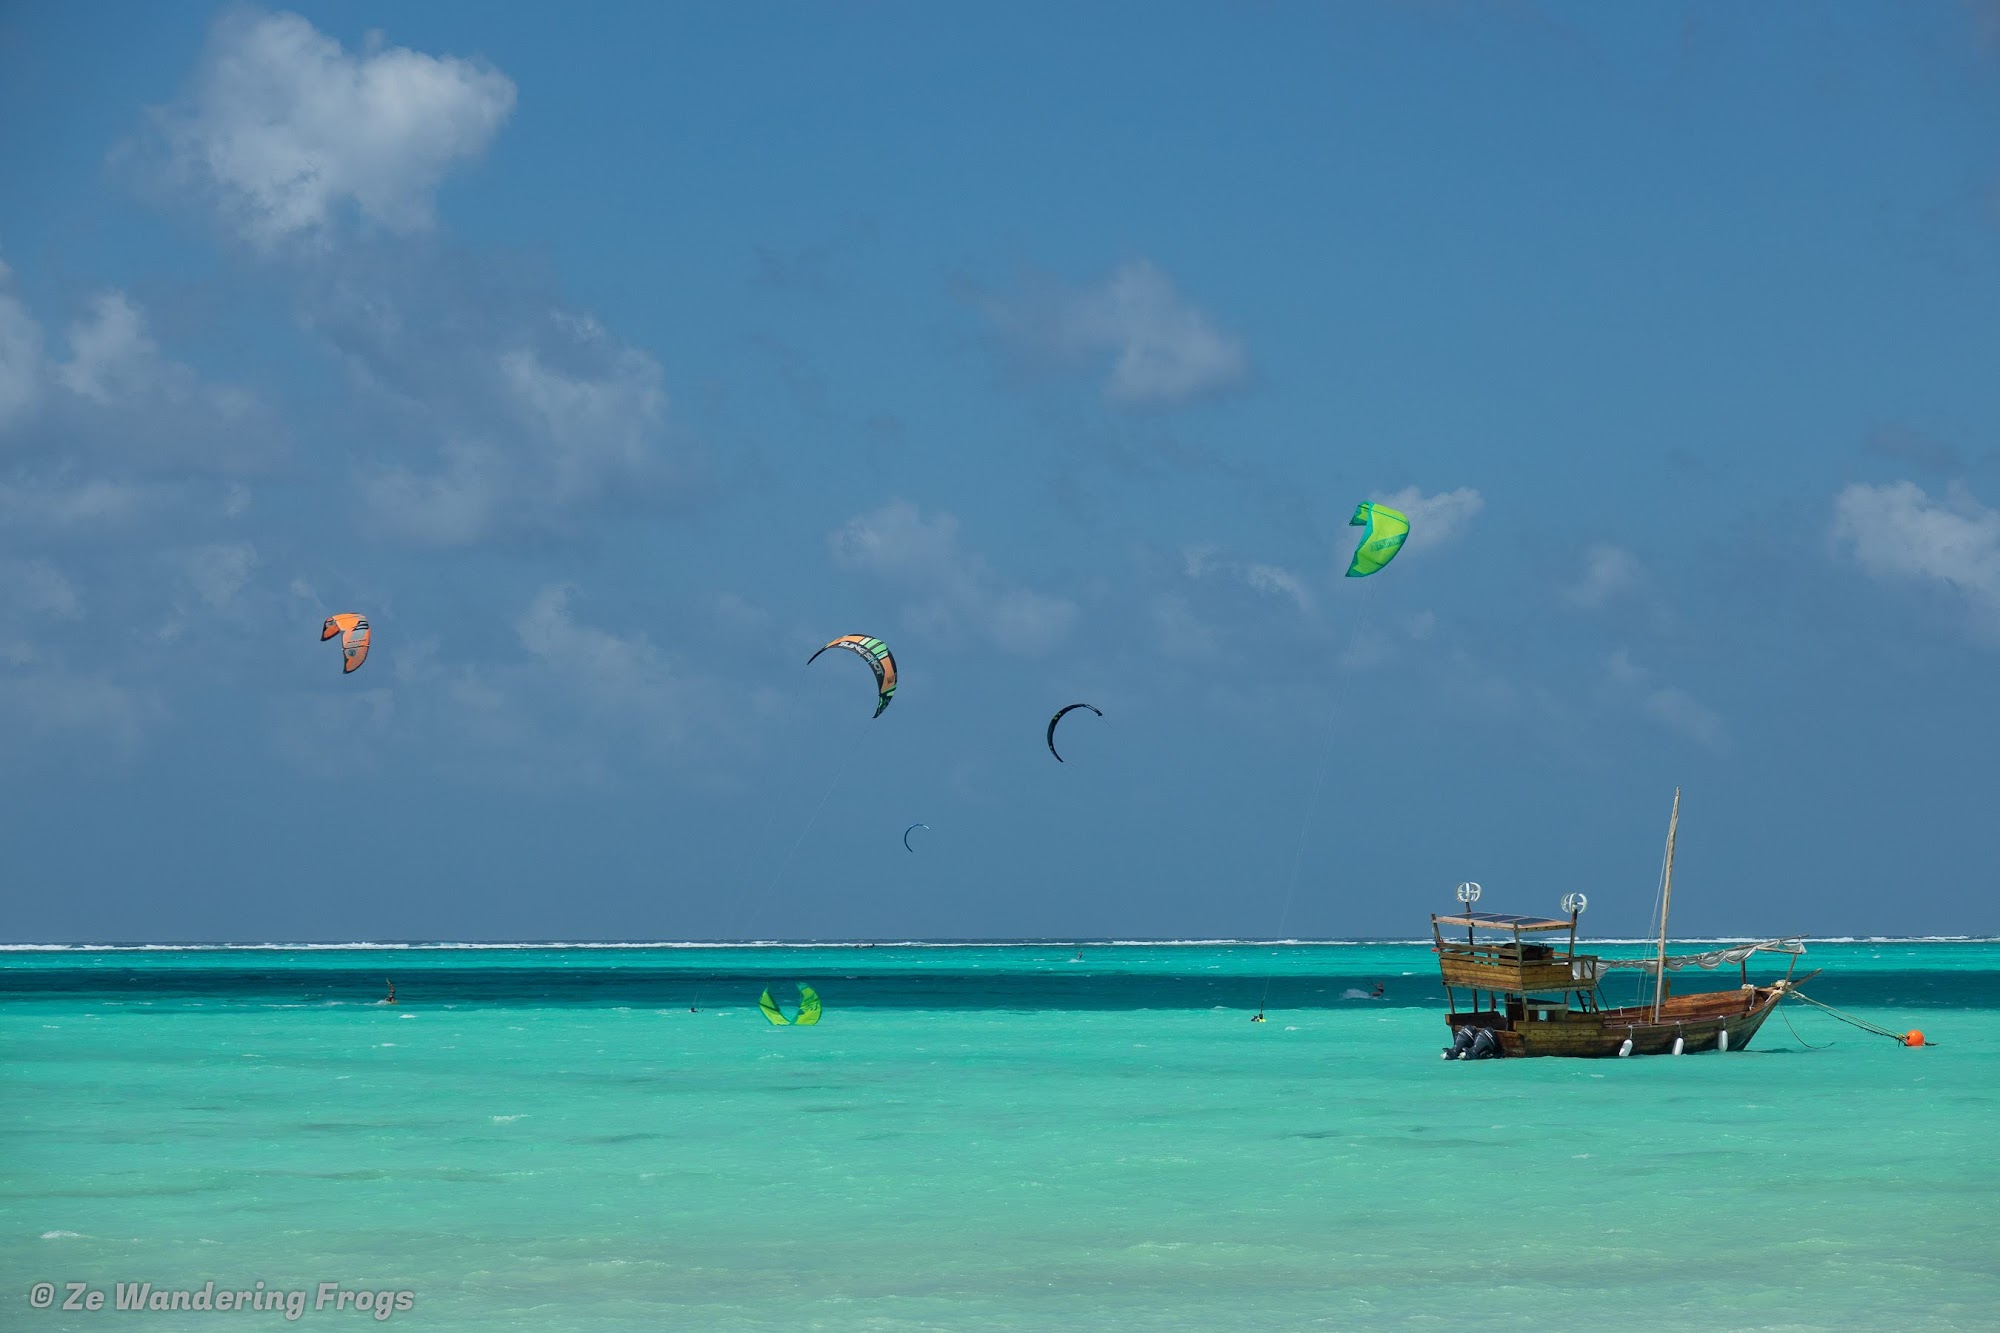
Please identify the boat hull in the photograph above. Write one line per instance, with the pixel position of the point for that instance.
(1698, 1021)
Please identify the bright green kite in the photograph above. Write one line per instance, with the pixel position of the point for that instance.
(809, 1008)
(1387, 530)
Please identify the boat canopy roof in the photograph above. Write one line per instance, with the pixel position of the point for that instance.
(1501, 921)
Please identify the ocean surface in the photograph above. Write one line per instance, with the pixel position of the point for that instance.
(977, 1137)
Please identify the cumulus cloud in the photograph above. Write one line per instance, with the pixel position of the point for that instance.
(30, 590)
(956, 591)
(220, 571)
(535, 424)
(481, 409)
(1609, 572)
(1434, 519)
(114, 362)
(38, 586)
(283, 129)
(1897, 531)
(55, 704)
(60, 503)
(20, 354)
(116, 404)
(1672, 707)
(1161, 349)
(1200, 562)
(616, 676)
(1272, 579)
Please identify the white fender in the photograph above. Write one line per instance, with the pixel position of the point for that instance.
(1625, 1049)
(1679, 1045)
(1722, 1041)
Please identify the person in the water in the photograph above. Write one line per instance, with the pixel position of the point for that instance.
(1257, 1017)
(1377, 993)
(392, 994)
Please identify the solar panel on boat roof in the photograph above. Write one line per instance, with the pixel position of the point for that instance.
(1501, 921)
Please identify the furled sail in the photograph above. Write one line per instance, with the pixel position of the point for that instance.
(1735, 953)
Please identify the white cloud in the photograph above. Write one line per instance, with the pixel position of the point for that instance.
(955, 588)
(558, 420)
(218, 572)
(595, 426)
(52, 703)
(1198, 562)
(115, 362)
(1673, 708)
(1608, 572)
(456, 505)
(625, 678)
(1680, 711)
(110, 353)
(573, 703)
(20, 354)
(61, 504)
(1434, 519)
(115, 405)
(38, 586)
(1897, 531)
(1162, 349)
(284, 128)
(1272, 579)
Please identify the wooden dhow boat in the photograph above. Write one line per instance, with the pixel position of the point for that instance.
(1512, 996)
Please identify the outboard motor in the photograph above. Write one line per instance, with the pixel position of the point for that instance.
(1483, 1046)
(1461, 1042)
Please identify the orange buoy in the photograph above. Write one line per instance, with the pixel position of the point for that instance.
(1913, 1038)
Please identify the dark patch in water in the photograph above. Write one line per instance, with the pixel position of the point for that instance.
(1315, 1134)
(340, 1175)
(609, 1139)
(229, 981)
(343, 1126)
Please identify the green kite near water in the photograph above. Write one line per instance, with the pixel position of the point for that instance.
(808, 1009)
(1387, 530)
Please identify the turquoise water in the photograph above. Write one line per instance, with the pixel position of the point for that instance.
(995, 1137)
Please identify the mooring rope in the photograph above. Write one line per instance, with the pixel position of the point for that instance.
(1850, 1019)
(1795, 1034)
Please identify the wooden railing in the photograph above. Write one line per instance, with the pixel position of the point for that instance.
(1508, 968)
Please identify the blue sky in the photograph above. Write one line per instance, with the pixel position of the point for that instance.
(611, 364)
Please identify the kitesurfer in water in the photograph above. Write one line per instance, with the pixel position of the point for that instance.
(392, 994)
(1257, 1017)
(1376, 994)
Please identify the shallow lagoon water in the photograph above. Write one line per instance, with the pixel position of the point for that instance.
(980, 1137)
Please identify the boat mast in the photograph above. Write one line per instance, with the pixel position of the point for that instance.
(1666, 901)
